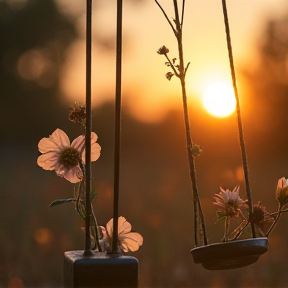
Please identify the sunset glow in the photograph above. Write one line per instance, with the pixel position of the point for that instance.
(218, 99)
(146, 92)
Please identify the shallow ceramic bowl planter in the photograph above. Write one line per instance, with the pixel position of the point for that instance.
(99, 270)
(230, 255)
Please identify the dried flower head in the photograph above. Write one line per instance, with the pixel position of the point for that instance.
(259, 214)
(163, 50)
(65, 159)
(77, 114)
(282, 191)
(260, 217)
(229, 202)
(127, 240)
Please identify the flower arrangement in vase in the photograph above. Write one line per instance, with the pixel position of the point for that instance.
(102, 263)
(68, 161)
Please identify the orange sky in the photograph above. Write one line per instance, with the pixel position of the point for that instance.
(146, 91)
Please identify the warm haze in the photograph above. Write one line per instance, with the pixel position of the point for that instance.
(146, 91)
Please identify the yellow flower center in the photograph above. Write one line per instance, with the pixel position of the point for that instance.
(69, 157)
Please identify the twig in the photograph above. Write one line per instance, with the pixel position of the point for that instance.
(275, 221)
(199, 233)
(172, 66)
(167, 18)
(182, 16)
(196, 199)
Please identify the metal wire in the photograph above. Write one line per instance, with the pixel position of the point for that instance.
(117, 126)
(240, 126)
(88, 129)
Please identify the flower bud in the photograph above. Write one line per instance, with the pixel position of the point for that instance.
(196, 150)
(282, 191)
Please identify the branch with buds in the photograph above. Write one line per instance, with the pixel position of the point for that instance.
(180, 70)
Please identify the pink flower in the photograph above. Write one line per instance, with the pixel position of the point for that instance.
(65, 159)
(229, 202)
(127, 240)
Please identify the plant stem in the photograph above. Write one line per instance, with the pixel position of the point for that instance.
(276, 220)
(96, 230)
(182, 16)
(241, 228)
(167, 18)
(196, 200)
(172, 66)
(276, 213)
(181, 75)
(226, 229)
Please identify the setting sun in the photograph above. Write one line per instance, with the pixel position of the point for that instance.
(219, 99)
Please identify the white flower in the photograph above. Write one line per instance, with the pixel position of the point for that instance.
(282, 191)
(127, 240)
(229, 202)
(59, 155)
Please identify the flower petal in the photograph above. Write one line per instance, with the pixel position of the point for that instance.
(73, 175)
(123, 226)
(131, 241)
(56, 141)
(104, 232)
(48, 160)
(95, 149)
(124, 247)
(45, 145)
(127, 240)
(94, 137)
(79, 143)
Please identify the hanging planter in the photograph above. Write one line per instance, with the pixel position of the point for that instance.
(230, 255)
(232, 252)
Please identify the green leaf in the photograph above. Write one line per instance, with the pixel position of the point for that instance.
(93, 195)
(221, 216)
(62, 201)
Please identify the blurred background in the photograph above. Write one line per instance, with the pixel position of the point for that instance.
(42, 73)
